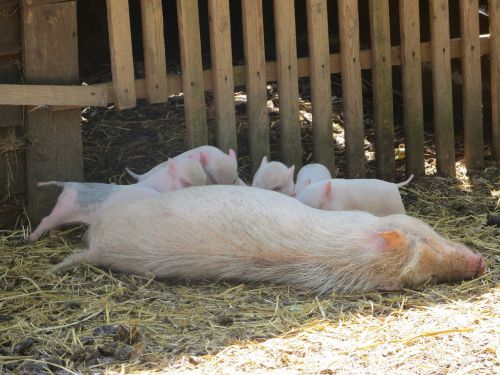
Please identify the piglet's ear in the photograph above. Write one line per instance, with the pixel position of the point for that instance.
(328, 190)
(171, 167)
(393, 239)
(264, 161)
(291, 170)
(185, 182)
(204, 159)
(232, 154)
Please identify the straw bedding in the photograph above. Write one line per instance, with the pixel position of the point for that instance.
(91, 320)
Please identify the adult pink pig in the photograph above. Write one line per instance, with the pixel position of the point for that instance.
(220, 168)
(274, 176)
(247, 234)
(378, 197)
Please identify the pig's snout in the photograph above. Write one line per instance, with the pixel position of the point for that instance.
(480, 266)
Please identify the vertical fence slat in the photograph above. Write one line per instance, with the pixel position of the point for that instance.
(494, 8)
(155, 64)
(317, 29)
(382, 89)
(222, 73)
(256, 86)
(120, 46)
(351, 87)
(412, 86)
(441, 87)
(472, 94)
(192, 73)
(286, 49)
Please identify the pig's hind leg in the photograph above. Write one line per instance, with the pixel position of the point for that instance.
(86, 255)
(63, 212)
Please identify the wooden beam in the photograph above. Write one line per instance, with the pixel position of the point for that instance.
(494, 8)
(383, 115)
(42, 95)
(288, 87)
(471, 89)
(253, 74)
(442, 87)
(120, 46)
(351, 88)
(317, 30)
(192, 73)
(412, 87)
(222, 73)
(155, 63)
(50, 56)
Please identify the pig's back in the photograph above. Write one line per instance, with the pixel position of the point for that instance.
(202, 231)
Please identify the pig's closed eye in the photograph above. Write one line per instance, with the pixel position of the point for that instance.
(277, 188)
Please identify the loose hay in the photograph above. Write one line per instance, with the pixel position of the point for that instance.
(92, 320)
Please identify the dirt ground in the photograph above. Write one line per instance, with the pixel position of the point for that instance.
(91, 320)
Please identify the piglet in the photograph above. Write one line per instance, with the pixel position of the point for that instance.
(378, 197)
(274, 176)
(310, 174)
(176, 174)
(242, 233)
(220, 168)
(81, 203)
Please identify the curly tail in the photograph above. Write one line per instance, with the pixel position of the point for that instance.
(404, 183)
(48, 183)
(135, 176)
(73, 260)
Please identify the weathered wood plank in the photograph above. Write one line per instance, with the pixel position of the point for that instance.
(288, 87)
(41, 95)
(240, 71)
(50, 56)
(471, 89)
(155, 63)
(351, 87)
(120, 45)
(412, 87)
(442, 87)
(10, 31)
(12, 163)
(382, 89)
(192, 73)
(222, 73)
(494, 8)
(317, 30)
(253, 74)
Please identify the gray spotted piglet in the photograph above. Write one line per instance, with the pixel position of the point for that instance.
(82, 202)
(378, 197)
(241, 233)
(274, 176)
(221, 168)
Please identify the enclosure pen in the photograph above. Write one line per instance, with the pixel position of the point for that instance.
(368, 88)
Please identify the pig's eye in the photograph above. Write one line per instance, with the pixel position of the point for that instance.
(277, 188)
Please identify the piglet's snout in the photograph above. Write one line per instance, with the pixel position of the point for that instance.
(480, 266)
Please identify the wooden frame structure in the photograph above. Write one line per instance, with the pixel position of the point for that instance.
(52, 87)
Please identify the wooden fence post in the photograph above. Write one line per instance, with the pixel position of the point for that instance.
(351, 88)
(256, 85)
(494, 8)
(317, 30)
(50, 56)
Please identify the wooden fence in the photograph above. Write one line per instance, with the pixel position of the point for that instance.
(221, 79)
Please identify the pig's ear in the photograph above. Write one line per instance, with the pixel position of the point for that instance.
(185, 182)
(264, 161)
(204, 159)
(328, 190)
(291, 170)
(171, 167)
(393, 239)
(232, 154)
